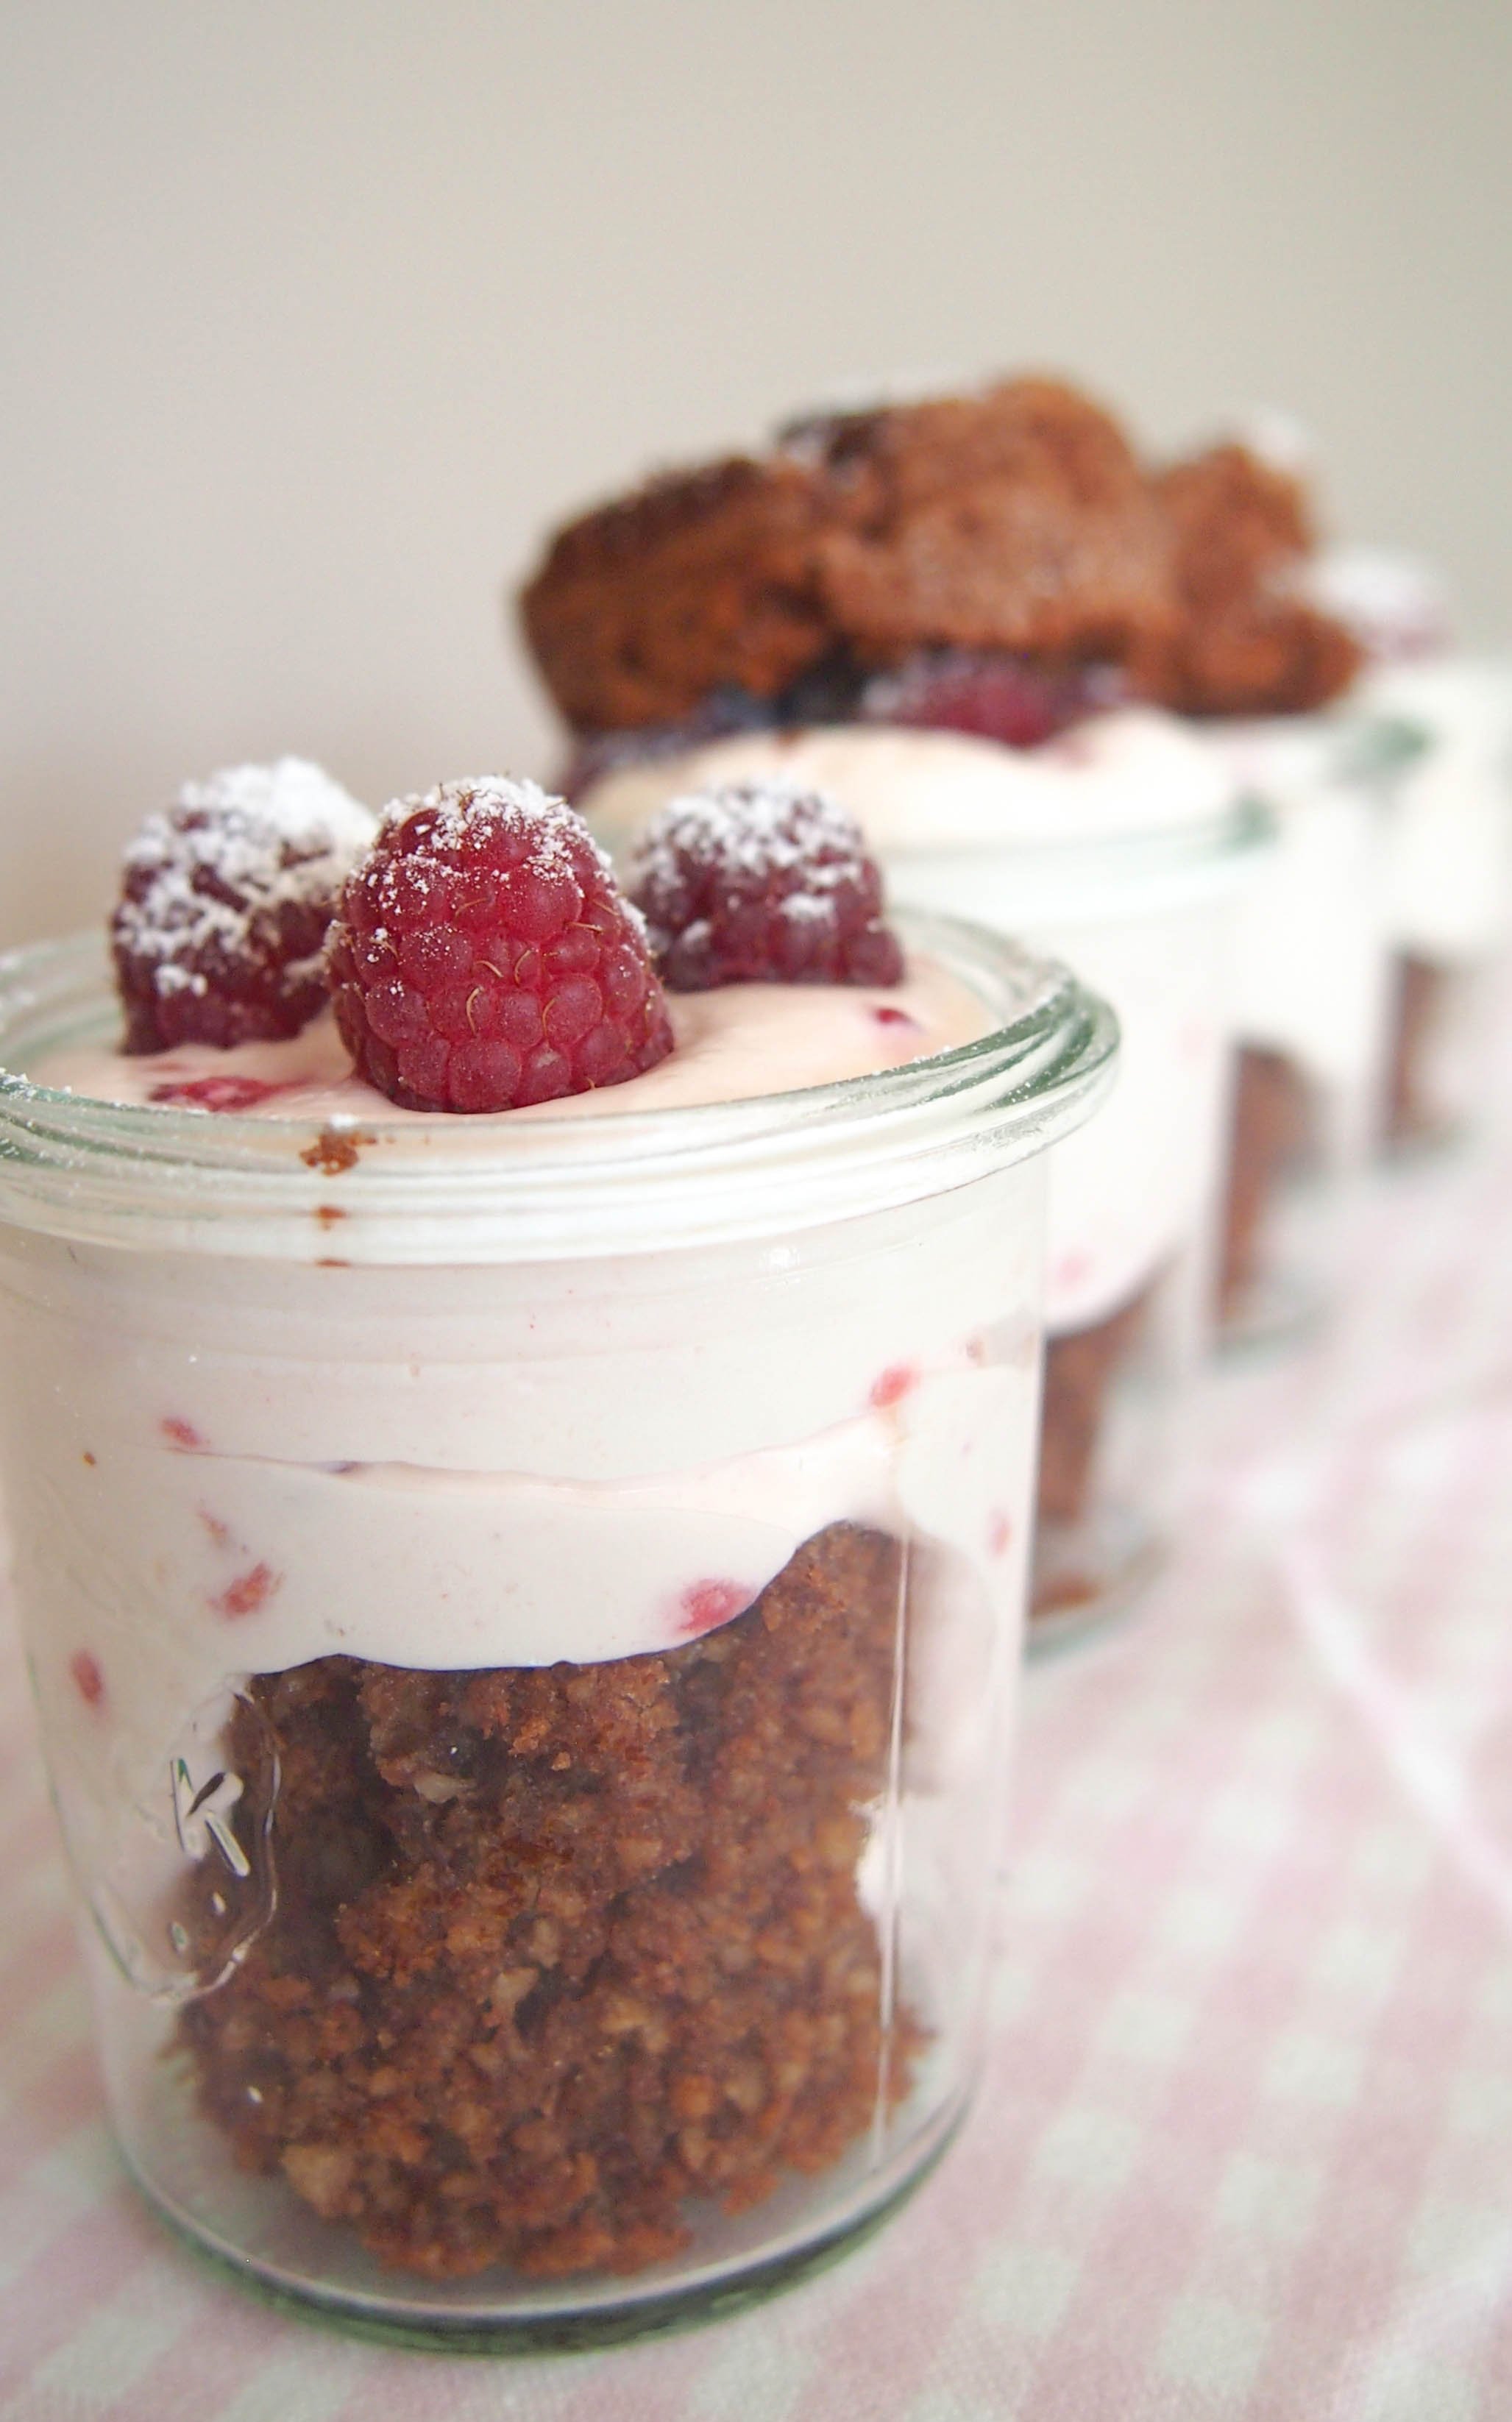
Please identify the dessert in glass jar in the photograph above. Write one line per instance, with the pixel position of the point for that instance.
(519, 1485)
(941, 614)
(1118, 849)
(1310, 988)
(1265, 668)
(1434, 723)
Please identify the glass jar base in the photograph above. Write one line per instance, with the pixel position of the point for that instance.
(1432, 1139)
(1277, 1308)
(1089, 1574)
(253, 2231)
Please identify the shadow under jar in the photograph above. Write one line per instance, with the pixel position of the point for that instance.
(524, 1618)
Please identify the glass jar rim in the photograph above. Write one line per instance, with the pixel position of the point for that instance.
(1094, 878)
(418, 1189)
(1209, 849)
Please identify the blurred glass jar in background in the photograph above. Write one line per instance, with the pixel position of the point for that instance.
(1311, 1004)
(1120, 848)
(1434, 729)
(1441, 731)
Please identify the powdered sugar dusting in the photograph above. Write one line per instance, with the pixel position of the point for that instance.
(484, 958)
(761, 882)
(754, 829)
(224, 903)
(250, 841)
(484, 803)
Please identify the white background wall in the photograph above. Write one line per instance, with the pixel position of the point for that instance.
(317, 313)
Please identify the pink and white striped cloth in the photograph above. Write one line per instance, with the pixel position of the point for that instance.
(1245, 2144)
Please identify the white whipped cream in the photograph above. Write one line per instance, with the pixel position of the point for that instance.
(1135, 770)
(558, 1470)
(1013, 838)
(238, 1466)
(1311, 960)
(731, 1045)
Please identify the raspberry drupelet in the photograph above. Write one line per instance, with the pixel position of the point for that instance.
(225, 905)
(762, 883)
(483, 956)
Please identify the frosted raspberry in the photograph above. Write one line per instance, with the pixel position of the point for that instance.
(995, 695)
(227, 897)
(483, 957)
(762, 883)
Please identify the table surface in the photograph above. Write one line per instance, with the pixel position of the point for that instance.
(1244, 2145)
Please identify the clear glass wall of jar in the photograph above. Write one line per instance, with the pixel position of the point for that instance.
(1121, 847)
(523, 1625)
(1312, 981)
(1148, 918)
(1440, 729)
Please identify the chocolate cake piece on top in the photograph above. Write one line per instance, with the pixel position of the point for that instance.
(1017, 523)
(1250, 641)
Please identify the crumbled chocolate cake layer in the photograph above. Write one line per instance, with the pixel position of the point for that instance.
(1270, 1132)
(1080, 1368)
(1018, 519)
(555, 1949)
(703, 578)
(1248, 642)
(1419, 988)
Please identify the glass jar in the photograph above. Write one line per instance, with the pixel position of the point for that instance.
(1120, 847)
(524, 1621)
(1311, 985)
(1440, 731)
(1147, 918)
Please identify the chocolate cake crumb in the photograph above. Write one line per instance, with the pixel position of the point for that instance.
(1419, 989)
(558, 1949)
(1079, 1369)
(1018, 519)
(1270, 1132)
(1015, 523)
(1249, 643)
(703, 578)
(333, 1151)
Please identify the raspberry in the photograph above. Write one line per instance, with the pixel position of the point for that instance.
(483, 957)
(995, 697)
(762, 883)
(227, 897)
